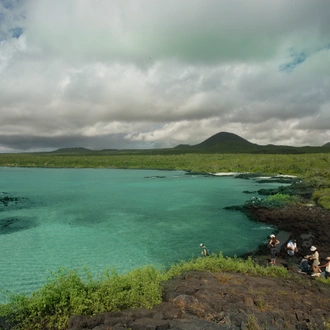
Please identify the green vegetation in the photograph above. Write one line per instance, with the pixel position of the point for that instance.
(322, 197)
(252, 323)
(274, 201)
(219, 263)
(69, 293)
(309, 165)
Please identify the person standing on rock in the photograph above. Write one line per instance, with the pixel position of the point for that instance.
(206, 252)
(291, 248)
(273, 250)
(315, 258)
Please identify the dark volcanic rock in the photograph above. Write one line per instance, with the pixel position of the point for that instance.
(13, 224)
(308, 224)
(6, 200)
(200, 300)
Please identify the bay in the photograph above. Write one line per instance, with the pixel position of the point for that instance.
(116, 219)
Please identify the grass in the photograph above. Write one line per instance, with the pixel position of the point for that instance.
(70, 292)
(252, 323)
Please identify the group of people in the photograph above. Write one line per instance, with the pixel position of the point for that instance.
(309, 264)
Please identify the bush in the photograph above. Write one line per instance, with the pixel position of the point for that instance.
(66, 293)
(322, 197)
(274, 201)
(219, 263)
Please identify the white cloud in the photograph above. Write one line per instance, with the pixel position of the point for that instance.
(155, 73)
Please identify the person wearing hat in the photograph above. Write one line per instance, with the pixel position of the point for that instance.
(273, 250)
(291, 249)
(315, 258)
(326, 272)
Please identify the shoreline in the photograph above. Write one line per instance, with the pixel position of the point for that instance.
(303, 221)
(307, 224)
(261, 176)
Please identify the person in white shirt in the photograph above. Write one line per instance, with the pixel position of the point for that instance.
(291, 249)
(326, 272)
(314, 257)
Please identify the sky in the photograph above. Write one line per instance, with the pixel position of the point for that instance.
(130, 74)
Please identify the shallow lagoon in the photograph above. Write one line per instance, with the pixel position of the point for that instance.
(122, 219)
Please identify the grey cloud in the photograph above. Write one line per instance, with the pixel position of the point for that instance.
(153, 74)
(19, 143)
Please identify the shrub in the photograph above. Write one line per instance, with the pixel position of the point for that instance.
(219, 263)
(322, 197)
(66, 294)
(274, 201)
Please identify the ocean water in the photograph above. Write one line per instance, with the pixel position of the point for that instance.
(116, 219)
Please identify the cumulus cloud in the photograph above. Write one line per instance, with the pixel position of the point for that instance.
(126, 74)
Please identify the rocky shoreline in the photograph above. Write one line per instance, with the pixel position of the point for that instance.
(305, 222)
(200, 300)
(309, 225)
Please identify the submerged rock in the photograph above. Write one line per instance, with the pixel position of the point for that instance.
(6, 200)
(13, 224)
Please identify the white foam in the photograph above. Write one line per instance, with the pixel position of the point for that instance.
(285, 176)
(226, 173)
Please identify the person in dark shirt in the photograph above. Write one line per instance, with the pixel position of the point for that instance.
(206, 251)
(273, 250)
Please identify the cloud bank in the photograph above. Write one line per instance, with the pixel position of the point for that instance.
(154, 74)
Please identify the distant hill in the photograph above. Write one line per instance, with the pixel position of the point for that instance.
(224, 138)
(225, 142)
(222, 142)
(72, 150)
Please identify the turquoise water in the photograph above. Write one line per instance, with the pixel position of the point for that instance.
(121, 219)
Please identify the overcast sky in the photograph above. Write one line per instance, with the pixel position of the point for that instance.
(154, 74)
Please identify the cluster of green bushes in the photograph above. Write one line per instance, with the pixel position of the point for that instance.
(273, 201)
(322, 197)
(71, 292)
(319, 180)
(300, 165)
